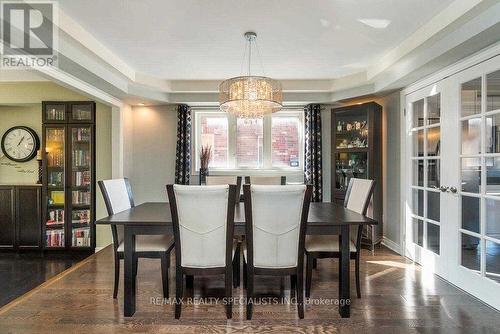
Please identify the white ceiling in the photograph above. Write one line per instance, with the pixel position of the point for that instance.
(298, 39)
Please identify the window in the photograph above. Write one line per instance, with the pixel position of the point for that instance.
(272, 142)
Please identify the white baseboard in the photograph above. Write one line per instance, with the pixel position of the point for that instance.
(391, 245)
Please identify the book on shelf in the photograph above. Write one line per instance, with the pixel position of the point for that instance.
(81, 237)
(81, 134)
(56, 114)
(81, 158)
(80, 197)
(55, 158)
(80, 216)
(54, 238)
(81, 178)
(56, 197)
(55, 217)
(56, 179)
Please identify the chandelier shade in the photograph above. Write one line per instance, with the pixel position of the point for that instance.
(250, 96)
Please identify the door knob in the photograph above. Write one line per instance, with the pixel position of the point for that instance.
(453, 190)
(443, 189)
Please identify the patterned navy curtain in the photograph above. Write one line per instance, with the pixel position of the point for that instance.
(183, 152)
(313, 170)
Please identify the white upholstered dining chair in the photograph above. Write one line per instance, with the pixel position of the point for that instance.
(358, 196)
(117, 195)
(276, 218)
(203, 218)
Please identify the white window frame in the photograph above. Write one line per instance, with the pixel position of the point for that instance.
(232, 133)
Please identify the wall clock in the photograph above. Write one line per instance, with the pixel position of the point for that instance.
(20, 144)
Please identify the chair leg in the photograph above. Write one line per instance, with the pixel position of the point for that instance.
(249, 281)
(315, 263)
(358, 285)
(245, 274)
(164, 273)
(293, 284)
(229, 294)
(300, 293)
(179, 282)
(236, 267)
(117, 275)
(309, 270)
(136, 266)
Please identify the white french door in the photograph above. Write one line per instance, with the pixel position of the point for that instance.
(453, 179)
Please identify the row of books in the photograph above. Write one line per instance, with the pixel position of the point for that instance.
(81, 158)
(56, 217)
(81, 237)
(81, 178)
(81, 134)
(55, 158)
(54, 238)
(80, 197)
(56, 114)
(80, 217)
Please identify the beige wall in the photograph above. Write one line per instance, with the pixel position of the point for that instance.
(20, 104)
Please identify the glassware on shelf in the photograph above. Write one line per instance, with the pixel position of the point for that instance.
(351, 130)
(349, 165)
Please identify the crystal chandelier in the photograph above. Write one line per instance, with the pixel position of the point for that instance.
(250, 96)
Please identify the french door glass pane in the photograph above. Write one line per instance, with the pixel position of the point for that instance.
(418, 143)
(493, 260)
(493, 133)
(471, 252)
(493, 176)
(418, 173)
(471, 213)
(471, 175)
(418, 113)
(434, 109)
(433, 141)
(493, 218)
(433, 173)
(249, 142)
(285, 141)
(471, 136)
(418, 232)
(493, 91)
(433, 237)
(471, 97)
(418, 202)
(54, 224)
(214, 133)
(433, 205)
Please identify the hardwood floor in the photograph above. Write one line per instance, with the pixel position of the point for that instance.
(397, 297)
(20, 273)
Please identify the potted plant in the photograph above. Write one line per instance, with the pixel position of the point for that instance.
(205, 156)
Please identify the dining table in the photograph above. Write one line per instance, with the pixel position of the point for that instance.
(154, 218)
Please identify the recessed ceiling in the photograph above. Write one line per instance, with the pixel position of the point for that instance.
(297, 39)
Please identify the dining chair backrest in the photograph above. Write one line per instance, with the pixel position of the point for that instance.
(276, 220)
(266, 180)
(358, 195)
(226, 179)
(203, 219)
(118, 197)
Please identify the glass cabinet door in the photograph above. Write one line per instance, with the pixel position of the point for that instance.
(55, 159)
(351, 130)
(81, 112)
(55, 112)
(81, 176)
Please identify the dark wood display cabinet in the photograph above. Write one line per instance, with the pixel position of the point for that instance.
(68, 153)
(357, 152)
(20, 217)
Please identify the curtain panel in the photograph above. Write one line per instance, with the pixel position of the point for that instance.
(313, 169)
(183, 151)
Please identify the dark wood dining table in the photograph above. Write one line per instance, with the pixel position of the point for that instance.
(153, 218)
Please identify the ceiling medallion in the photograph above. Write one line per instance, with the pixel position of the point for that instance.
(250, 96)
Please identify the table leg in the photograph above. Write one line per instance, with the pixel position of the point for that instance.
(129, 277)
(344, 279)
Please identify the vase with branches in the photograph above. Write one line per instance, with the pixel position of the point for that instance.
(205, 157)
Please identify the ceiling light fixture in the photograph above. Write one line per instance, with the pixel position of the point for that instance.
(250, 96)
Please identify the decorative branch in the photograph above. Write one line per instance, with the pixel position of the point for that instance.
(205, 156)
